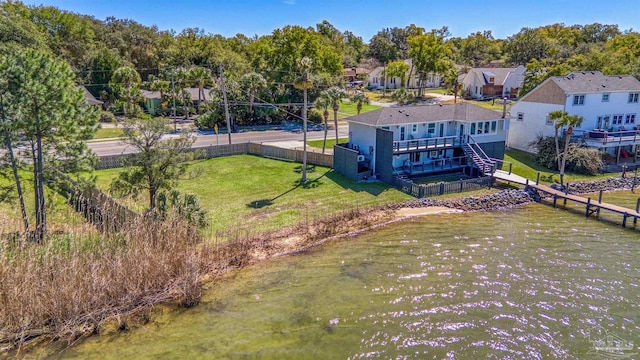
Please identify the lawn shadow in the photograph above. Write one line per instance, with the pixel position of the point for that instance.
(310, 184)
(373, 188)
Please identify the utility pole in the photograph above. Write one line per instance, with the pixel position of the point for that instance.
(226, 105)
(304, 128)
(173, 95)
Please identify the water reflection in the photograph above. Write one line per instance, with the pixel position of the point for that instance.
(530, 283)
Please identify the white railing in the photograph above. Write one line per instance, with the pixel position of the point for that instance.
(426, 144)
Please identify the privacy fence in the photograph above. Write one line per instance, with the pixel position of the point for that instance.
(97, 207)
(274, 152)
(422, 190)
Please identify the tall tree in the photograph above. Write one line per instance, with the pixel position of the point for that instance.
(397, 69)
(126, 83)
(526, 45)
(563, 119)
(335, 95)
(304, 83)
(359, 98)
(200, 77)
(323, 104)
(52, 117)
(253, 83)
(157, 164)
(429, 53)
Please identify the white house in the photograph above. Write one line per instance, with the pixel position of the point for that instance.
(419, 140)
(480, 83)
(608, 104)
(377, 80)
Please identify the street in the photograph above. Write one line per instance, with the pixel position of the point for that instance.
(283, 138)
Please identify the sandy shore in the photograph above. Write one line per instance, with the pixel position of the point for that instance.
(428, 210)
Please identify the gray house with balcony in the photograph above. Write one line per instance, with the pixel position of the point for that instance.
(420, 140)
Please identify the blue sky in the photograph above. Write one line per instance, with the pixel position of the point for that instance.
(362, 17)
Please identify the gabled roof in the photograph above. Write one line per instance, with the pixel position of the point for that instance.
(148, 94)
(425, 113)
(595, 82)
(91, 100)
(499, 74)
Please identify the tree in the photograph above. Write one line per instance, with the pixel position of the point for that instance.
(303, 83)
(156, 165)
(126, 83)
(253, 83)
(429, 53)
(335, 95)
(401, 96)
(562, 119)
(526, 45)
(199, 77)
(478, 49)
(359, 98)
(399, 69)
(52, 117)
(322, 102)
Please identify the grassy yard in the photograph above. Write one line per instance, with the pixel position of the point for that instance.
(349, 109)
(106, 133)
(524, 164)
(330, 142)
(250, 192)
(497, 106)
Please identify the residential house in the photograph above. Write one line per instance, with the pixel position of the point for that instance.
(91, 100)
(351, 74)
(416, 140)
(153, 99)
(608, 104)
(377, 80)
(481, 83)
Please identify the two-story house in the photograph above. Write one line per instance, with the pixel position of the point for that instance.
(480, 83)
(418, 140)
(609, 105)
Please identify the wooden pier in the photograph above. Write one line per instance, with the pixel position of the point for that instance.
(591, 207)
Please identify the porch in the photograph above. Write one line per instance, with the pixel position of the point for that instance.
(426, 144)
(431, 166)
(602, 138)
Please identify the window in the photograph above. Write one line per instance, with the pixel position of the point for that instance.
(492, 80)
(431, 129)
(617, 119)
(494, 124)
(548, 120)
(605, 97)
(414, 127)
(473, 128)
(630, 119)
(633, 97)
(486, 127)
(578, 99)
(520, 116)
(479, 128)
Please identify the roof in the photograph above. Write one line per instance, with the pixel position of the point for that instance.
(349, 71)
(595, 82)
(193, 93)
(91, 100)
(499, 74)
(425, 113)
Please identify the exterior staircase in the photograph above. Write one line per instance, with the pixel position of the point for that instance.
(479, 158)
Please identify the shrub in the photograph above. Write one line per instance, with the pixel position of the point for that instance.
(583, 160)
(107, 117)
(546, 147)
(314, 116)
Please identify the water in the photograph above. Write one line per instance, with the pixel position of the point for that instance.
(533, 283)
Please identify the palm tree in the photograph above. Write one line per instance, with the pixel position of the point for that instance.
(359, 98)
(562, 119)
(401, 96)
(163, 86)
(199, 77)
(335, 95)
(304, 83)
(126, 81)
(253, 83)
(555, 116)
(323, 103)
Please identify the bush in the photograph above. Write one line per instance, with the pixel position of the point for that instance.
(314, 116)
(579, 159)
(107, 117)
(583, 160)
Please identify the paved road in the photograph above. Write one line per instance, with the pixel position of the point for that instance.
(285, 138)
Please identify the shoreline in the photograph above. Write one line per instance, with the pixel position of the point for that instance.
(244, 251)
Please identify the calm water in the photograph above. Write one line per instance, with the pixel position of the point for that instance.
(529, 283)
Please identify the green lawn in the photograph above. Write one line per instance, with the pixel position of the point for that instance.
(255, 193)
(524, 164)
(106, 133)
(330, 142)
(349, 109)
(497, 105)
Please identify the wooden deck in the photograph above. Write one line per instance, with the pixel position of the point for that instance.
(591, 207)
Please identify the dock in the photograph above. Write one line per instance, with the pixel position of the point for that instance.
(591, 207)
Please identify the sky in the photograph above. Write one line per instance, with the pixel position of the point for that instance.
(364, 18)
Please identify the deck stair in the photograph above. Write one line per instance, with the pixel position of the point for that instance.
(480, 159)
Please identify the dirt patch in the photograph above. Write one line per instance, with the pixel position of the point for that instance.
(429, 210)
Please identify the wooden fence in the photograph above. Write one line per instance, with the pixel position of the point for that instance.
(208, 152)
(421, 190)
(97, 207)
